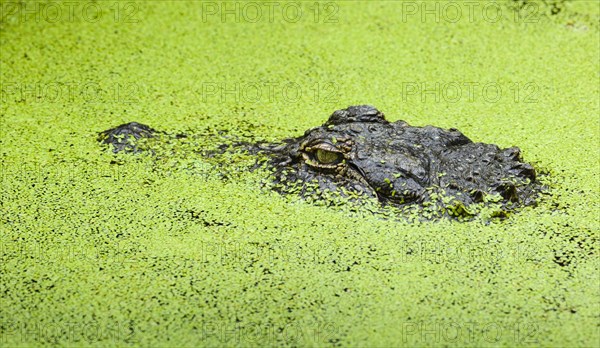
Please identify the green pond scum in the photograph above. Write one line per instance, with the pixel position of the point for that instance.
(103, 249)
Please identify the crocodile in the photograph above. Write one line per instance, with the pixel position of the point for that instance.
(359, 154)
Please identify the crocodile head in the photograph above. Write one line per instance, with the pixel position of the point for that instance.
(357, 152)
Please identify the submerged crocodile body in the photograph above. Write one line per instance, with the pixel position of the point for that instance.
(359, 154)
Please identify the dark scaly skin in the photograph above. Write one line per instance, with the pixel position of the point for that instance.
(359, 153)
(124, 136)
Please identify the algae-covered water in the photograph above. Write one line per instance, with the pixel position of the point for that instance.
(104, 250)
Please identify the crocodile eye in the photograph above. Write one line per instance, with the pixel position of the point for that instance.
(327, 157)
(322, 155)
